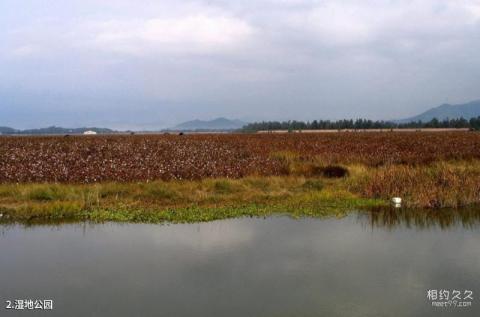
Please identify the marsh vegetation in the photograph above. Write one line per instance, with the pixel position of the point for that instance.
(207, 177)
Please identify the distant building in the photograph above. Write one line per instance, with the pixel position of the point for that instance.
(89, 132)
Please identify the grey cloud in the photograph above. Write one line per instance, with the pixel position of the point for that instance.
(262, 59)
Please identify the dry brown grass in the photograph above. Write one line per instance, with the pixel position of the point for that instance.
(441, 184)
(169, 157)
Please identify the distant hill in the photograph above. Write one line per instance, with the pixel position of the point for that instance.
(53, 130)
(466, 111)
(215, 124)
(7, 130)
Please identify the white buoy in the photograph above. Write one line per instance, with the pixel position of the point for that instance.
(397, 202)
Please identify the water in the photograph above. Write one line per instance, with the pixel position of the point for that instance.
(378, 264)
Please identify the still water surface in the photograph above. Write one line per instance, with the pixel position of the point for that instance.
(366, 264)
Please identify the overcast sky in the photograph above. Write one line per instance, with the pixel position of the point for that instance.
(151, 64)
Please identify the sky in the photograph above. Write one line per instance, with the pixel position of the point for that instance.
(141, 64)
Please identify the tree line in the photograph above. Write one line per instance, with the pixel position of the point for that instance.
(361, 124)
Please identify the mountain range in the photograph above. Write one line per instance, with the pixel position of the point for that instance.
(446, 111)
(215, 124)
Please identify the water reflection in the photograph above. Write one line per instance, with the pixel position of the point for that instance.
(243, 267)
(387, 218)
(390, 218)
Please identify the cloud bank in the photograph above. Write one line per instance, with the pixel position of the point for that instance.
(148, 64)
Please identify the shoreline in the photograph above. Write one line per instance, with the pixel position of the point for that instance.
(178, 201)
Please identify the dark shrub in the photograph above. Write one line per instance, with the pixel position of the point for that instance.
(334, 171)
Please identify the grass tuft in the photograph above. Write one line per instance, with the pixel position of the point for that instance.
(223, 187)
(313, 184)
(45, 193)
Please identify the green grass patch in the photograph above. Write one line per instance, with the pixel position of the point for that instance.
(439, 185)
(178, 201)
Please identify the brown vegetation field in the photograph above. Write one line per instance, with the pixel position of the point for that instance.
(213, 176)
(87, 159)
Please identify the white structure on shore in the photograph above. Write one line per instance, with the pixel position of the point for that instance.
(89, 132)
